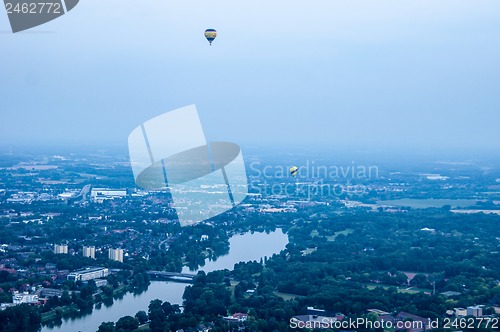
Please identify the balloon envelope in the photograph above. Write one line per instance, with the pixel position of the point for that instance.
(210, 34)
(294, 170)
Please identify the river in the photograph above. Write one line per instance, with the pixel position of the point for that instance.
(242, 247)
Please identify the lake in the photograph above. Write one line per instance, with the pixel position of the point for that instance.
(242, 247)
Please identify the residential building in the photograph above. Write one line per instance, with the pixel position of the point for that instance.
(241, 317)
(89, 273)
(50, 292)
(20, 298)
(101, 282)
(89, 252)
(116, 255)
(60, 248)
(460, 312)
(416, 323)
(476, 311)
(236, 318)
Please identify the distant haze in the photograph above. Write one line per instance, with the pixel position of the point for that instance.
(421, 74)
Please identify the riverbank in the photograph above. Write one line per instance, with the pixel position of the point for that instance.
(242, 248)
(72, 309)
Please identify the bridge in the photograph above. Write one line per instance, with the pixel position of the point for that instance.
(175, 276)
(83, 193)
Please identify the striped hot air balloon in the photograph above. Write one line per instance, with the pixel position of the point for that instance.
(294, 170)
(210, 35)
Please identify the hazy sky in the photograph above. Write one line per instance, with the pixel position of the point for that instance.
(421, 73)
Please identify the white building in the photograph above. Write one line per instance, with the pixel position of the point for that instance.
(460, 312)
(60, 248)
(476, 311)
(101, 282)
(100, 194)
(236, 318)
(20, 298)
(116, 255)
(89, 273)
(89, 251)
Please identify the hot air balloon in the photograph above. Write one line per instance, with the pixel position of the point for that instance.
(210, 34)
(294, 170)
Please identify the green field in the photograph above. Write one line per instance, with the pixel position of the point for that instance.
(344, 232)
(410, 290)
(428, 203)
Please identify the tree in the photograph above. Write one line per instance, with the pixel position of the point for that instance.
(106, 327)
(52, 302)
(420, 280)
(108, 291)
(401, 278)
(141, 316)
(5, 297)
(65, 298)
(127, 323)
(156, 316)
(63, 264)
(167, 308)
(5, 276)
(21, 317)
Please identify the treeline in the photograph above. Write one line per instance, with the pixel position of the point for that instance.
(20, 318)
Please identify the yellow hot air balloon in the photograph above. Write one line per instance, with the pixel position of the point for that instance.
(294, 170)
(210, 35)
